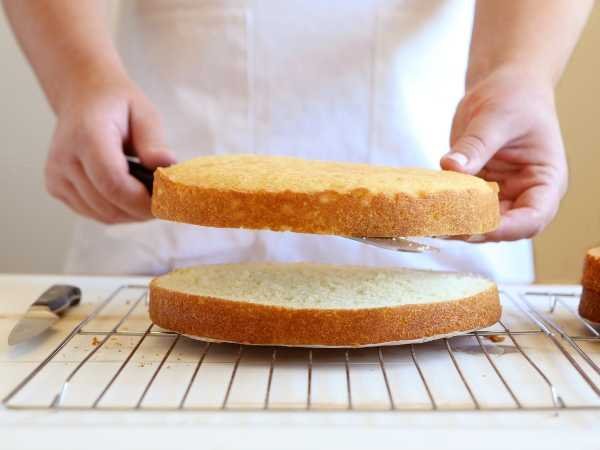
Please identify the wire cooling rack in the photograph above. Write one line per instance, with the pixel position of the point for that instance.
(540, 356)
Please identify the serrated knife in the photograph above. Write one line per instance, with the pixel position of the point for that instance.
(44, 312)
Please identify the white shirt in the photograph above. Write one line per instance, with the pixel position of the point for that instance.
(357, 80)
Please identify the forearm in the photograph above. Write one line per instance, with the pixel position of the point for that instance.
(537, 36)
(67, 43)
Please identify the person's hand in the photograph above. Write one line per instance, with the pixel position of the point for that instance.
(86, 167)
(506, 130)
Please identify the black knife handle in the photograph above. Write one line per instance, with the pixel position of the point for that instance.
(59, 297)
(141, 173)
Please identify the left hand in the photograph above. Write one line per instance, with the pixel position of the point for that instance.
(506, 130)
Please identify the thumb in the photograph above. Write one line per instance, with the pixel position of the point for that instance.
(483, 136)
(147, 136)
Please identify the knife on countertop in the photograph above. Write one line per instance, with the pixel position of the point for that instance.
(399, 244)
(44, 312)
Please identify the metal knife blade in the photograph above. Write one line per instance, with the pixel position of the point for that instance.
(44, 312)
(398, 244)
(37, 320)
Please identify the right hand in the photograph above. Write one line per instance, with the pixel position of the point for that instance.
(86, 167)
(506, 130)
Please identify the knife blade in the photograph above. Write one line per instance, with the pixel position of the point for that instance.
(44, 312)
(398, 244)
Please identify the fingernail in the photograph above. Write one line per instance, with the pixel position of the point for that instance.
(459, 158)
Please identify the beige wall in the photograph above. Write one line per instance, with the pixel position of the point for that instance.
(34, 229)
(559, 250)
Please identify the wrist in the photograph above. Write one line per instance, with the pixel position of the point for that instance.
(87, 81)
(520, 73)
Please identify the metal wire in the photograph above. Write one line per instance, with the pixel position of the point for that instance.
(309, 380)
(155, 374)
(60, 396)
(385, 378)
(461, 374)
(121, 367)
(573, 344)
(270, 379)
(194, 375)
(413, 355)
(63, 343)
(557, 401)
(495, 367)
(590, 328)
(233, 374)
(543, 324)
(348, 386)
(542, 321)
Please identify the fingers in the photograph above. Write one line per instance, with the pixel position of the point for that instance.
(528, 215)
(69, 196)
(106, 211)
(86, 167)
(67, 183)
(523, 218)
(515, 224)
(483, 136)
(62, 189)
(520, 223)
(458, 123)
(87, 170)
(147, 136)
(105, 166)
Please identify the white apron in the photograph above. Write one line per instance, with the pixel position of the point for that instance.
(355, 80)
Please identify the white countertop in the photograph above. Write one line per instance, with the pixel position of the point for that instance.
(149, 430)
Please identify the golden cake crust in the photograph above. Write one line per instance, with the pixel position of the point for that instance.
(426, 203)
(259, 324)
(589, 305)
